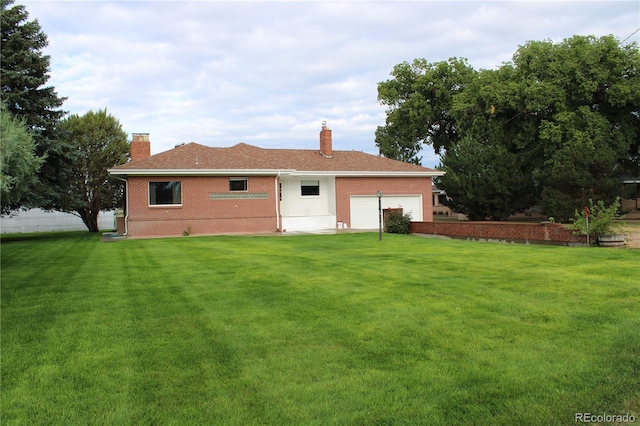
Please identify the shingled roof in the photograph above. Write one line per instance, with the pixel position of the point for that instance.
(196, 159)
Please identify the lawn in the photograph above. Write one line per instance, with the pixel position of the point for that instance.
(315, 329)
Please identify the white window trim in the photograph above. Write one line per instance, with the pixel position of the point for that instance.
(162, 206)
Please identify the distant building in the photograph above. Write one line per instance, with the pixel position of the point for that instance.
(631, 206)
(440, 209)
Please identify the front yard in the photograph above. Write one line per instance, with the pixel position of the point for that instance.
(315, 329)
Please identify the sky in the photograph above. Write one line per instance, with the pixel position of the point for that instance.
(268, 73)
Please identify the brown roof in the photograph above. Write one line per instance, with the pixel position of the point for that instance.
(195, 157)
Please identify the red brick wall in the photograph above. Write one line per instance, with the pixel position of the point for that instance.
(348, 186)
(551, 232)
(204, 215)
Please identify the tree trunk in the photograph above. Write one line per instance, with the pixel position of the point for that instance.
(90, 218)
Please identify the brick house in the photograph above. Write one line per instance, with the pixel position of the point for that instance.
(247, 189)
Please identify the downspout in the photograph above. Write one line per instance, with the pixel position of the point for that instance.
(126, 204)
(277, 197)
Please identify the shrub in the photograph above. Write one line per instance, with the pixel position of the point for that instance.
(603, 220)
(398, 222)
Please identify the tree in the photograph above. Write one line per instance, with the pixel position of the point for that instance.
(486, 181)
(419, 98)
(488, 172)
(18, 162)
(559, 124)
(583, 163)
(23, 76)
(101, 143)
(590, 123)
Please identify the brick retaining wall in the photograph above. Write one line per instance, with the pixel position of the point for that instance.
(551, 233)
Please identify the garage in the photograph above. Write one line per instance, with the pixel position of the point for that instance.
(364, 209)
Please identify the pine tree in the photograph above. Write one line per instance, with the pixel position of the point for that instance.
(23, 77)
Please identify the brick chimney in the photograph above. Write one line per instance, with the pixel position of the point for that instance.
(326, 148)
(140, 146)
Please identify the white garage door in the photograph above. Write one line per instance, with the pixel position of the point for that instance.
(364, 209)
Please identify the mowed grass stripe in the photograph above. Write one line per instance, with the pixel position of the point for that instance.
(338, 329)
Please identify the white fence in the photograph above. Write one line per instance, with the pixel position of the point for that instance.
(36, 220)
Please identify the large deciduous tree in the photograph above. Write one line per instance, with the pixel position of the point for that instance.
(100, 143)
(18, 162)
(554, 127)
(23, 77)
(419, 100)
(590, 125)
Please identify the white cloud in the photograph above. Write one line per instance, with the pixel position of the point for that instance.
(268, 73)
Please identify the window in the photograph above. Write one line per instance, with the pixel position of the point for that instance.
(310, 187)
(163, 193)
(239, 184)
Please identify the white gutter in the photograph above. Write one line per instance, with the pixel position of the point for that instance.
(267, 172)
(197, 172)
(277, 197)
(126, 204)
(430, 173)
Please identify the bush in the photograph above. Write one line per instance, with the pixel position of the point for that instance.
(398, 222)
(603, 220)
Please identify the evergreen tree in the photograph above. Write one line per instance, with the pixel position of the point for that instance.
(23, 77)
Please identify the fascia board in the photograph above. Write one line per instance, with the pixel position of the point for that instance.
(267, 172)
(368, 173)
(197, 172)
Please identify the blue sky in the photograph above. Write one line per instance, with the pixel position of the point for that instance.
(268, 73)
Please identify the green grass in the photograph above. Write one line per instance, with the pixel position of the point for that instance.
(318, 329)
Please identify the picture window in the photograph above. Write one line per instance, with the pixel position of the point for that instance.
(165, 193)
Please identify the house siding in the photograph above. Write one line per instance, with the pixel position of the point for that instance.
(204, 209)
(348, 186)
